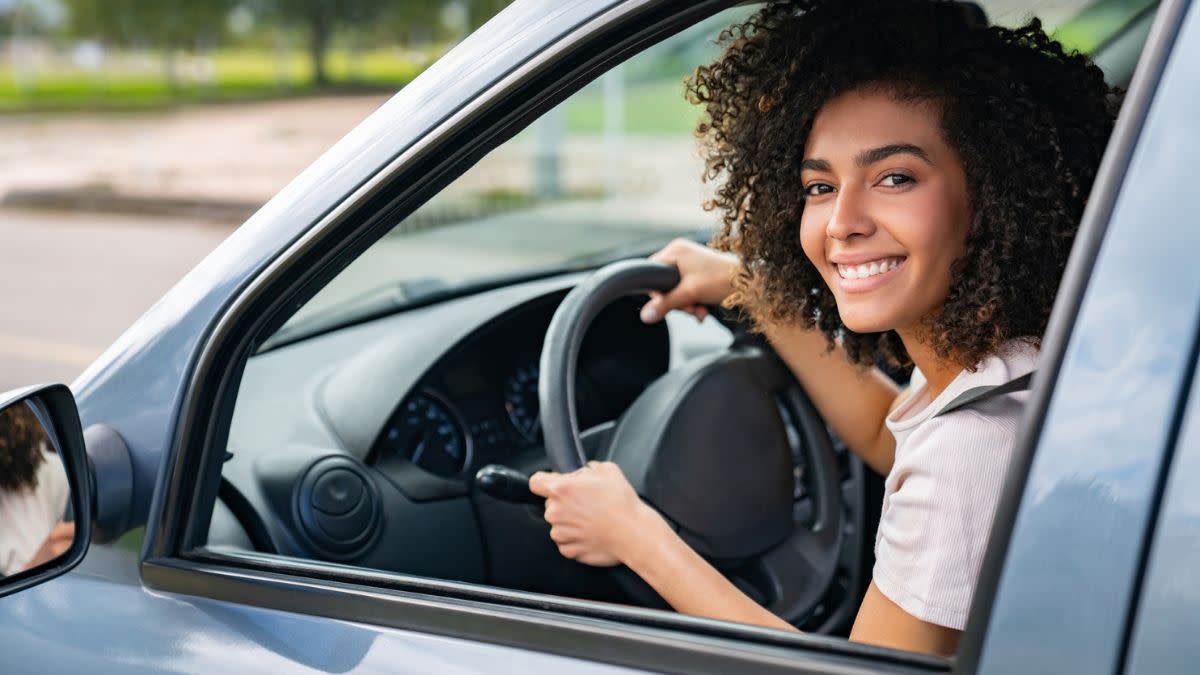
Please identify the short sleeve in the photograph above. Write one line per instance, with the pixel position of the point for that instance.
(937, 516)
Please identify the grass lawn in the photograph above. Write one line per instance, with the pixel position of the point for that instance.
(653, 107)
(241, 74)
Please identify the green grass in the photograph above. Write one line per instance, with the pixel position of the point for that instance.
(237, 74)
(650, 108)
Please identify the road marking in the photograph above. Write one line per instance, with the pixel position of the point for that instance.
(48, 350)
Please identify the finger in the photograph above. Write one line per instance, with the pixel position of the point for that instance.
(570, 551)
(656, 308)
(561, 534)
(542, 483)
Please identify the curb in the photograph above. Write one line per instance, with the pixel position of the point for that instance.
(103, 199)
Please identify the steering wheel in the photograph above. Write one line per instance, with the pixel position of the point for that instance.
(707, 445)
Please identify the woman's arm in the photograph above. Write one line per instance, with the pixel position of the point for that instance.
(854, 400)
(596, 518)
(688, 582)
(882, 622)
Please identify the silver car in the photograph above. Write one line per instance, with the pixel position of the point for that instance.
(307, 456)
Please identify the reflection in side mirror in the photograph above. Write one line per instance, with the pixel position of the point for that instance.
(44, 487)
(35, 495)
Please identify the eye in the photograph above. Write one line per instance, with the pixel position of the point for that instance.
(817, 189)
(897, 180)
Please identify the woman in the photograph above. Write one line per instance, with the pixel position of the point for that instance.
(898, 182)
(33, 494)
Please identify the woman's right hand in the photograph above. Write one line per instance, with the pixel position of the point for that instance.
(705, 278)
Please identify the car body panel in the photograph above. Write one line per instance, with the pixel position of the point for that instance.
(144, 631)
(1163, 640)
(1075, 556)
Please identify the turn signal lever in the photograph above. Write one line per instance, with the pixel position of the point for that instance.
(505, 484)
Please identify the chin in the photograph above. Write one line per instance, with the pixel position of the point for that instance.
(866, 322)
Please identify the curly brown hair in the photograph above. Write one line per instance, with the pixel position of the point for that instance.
(1029, 121)
(21, 440)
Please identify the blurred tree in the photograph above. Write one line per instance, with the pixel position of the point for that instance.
(319, 19)
(479, 11)
(169, 25)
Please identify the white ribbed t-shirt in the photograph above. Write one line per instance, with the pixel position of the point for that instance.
(28, 515)
(940, 496)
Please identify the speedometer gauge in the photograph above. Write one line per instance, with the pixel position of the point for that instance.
(428, 433)
(521, 401)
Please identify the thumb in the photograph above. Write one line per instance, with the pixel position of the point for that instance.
(661, 303)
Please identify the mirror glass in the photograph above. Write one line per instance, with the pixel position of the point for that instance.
(36, 523)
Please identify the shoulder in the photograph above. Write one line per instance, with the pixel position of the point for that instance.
(53, 490)
(963, 437)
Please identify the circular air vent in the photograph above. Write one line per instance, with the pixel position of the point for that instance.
(338, 507)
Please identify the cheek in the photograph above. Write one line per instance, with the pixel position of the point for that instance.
(812, 240)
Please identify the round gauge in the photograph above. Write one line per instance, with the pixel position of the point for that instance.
(521, 401)
(428, 433)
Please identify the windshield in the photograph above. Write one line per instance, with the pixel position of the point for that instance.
(613, 171)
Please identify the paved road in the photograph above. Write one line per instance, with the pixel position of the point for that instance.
(73, 282)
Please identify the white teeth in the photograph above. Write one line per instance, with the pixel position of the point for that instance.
(868, 269)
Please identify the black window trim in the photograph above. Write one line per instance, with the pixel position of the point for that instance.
(610, 633)
(1093, 226)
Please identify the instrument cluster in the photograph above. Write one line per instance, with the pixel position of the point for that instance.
(479, 404)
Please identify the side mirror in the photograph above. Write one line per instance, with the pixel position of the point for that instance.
(45, 487)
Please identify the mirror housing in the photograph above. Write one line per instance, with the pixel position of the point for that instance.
(54, 406)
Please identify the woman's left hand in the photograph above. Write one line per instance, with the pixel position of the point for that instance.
(594, 513)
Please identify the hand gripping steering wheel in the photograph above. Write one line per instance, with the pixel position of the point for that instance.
(708, 446)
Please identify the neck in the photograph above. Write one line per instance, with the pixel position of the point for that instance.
(939, 372)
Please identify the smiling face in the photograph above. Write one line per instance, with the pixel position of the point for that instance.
(886, 211)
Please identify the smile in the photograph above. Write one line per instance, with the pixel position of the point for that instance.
(869, 269)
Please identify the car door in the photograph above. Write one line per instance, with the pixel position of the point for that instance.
(1064, 578)
(160, 388)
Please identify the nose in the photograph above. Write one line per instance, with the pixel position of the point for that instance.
(849, 216)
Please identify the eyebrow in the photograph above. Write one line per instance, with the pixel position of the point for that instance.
(869, 157)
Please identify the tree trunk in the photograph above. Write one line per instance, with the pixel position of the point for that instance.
(318, 45)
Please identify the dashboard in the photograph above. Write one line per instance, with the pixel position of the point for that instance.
(479, 403)
(359, 446)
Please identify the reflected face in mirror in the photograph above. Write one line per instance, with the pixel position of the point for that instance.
(34, 493)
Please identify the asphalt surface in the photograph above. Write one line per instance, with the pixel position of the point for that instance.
(76, 279)
(74, 282)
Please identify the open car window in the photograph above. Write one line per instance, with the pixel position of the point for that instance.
(360, 422)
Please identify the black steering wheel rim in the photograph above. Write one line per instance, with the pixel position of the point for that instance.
(797, 570)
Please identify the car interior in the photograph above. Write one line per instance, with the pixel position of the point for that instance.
(387, 423)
